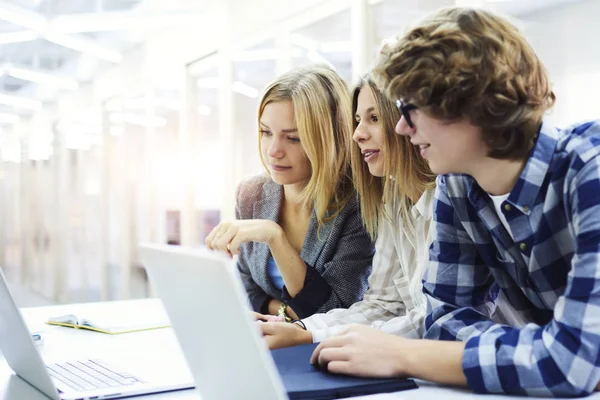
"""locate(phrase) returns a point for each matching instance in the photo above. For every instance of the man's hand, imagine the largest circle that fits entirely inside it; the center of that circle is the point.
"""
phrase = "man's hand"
(362, 351)
(282, 334)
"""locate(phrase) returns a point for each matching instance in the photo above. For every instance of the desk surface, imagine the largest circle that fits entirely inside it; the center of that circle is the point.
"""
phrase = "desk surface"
(137, 349)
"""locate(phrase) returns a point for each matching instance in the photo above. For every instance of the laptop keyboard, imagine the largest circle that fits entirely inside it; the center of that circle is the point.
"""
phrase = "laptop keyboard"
(90, 375)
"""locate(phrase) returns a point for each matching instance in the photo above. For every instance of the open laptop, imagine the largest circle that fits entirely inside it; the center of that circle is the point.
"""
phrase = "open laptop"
(208, 309)
(69, 379)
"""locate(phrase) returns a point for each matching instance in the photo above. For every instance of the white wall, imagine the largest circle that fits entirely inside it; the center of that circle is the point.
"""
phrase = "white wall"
(566, 39)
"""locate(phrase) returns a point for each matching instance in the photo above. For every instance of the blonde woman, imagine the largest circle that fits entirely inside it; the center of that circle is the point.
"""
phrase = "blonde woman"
(396, 193)
(301, 242)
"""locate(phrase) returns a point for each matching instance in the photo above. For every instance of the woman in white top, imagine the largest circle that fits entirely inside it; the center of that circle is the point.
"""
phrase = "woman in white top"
(395, 186)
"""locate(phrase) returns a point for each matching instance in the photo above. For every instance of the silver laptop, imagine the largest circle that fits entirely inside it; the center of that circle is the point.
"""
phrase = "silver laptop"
(70, 379)
(207, 307)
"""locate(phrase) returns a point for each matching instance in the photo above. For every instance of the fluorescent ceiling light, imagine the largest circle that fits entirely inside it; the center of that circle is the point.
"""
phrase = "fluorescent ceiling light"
(18, 37)
(20, 102)
(9, 118)
(43, 78)
(85, 46)
(38, 23)
(118, 20)
(22, 17)
(246, 90)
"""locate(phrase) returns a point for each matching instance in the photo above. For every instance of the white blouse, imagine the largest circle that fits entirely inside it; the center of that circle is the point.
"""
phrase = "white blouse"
(394, 302)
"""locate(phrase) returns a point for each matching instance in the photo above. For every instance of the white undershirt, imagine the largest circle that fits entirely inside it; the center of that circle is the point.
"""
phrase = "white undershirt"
(498, 200)
(505, 313)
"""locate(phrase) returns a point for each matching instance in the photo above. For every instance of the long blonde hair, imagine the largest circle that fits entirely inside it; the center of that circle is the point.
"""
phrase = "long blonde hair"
(406, 173)
(322, 113)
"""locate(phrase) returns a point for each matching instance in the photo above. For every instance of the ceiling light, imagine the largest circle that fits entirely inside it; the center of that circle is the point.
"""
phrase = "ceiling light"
(22, 17)
(85, 46)
(119, 20)
(20, 102)
(43, 78)
(18, 37)
(246, 90)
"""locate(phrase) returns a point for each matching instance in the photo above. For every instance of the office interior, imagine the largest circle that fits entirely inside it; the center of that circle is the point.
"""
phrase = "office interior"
(128, 121)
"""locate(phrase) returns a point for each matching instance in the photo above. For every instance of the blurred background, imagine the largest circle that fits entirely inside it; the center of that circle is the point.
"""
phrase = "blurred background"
(124, 121)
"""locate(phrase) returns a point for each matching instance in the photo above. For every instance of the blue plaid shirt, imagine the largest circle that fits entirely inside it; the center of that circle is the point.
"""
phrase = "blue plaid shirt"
(550, 271)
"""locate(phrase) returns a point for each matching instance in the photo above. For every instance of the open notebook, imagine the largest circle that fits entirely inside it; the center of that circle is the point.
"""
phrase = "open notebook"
(111, 325)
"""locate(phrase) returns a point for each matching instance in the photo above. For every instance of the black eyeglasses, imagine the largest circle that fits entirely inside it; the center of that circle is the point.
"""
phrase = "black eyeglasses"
(405, 109)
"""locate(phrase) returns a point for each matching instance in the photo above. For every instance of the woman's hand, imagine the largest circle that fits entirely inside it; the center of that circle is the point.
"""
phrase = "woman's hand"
(260, 317)
(229, 235)
(282, 334)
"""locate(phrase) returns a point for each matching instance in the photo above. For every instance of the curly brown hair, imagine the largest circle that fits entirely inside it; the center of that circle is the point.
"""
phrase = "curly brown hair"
(466, 63)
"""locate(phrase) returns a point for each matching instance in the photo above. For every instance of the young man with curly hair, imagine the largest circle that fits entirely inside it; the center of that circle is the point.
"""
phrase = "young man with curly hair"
(517, 217)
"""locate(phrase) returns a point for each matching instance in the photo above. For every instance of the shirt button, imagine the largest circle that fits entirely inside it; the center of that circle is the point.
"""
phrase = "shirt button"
(523, 246)
(507, 207)
(525, 209)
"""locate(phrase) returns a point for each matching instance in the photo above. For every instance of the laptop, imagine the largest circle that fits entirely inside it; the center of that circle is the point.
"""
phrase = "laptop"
(209, 311)
(79, 379)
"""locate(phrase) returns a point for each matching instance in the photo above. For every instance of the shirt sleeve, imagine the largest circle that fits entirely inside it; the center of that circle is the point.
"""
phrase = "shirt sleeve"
(458, 286)
(385, 303)
(344, 278)
(561, 357)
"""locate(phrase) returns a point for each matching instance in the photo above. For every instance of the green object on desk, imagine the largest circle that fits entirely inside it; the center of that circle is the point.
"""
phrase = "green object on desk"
(72, 321)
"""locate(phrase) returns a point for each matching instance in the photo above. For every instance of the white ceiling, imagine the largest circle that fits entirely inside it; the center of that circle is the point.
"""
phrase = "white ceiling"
(110, 28)
(51, 46)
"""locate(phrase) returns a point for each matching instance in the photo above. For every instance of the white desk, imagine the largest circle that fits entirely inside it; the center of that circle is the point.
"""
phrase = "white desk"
(140, 349)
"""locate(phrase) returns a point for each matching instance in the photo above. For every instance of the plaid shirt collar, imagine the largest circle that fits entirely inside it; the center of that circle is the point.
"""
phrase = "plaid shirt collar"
(527, 187)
